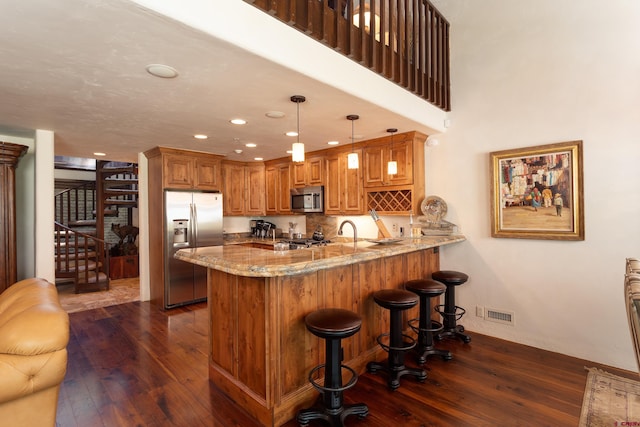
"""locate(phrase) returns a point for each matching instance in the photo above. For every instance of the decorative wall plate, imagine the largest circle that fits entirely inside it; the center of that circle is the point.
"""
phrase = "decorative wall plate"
(434, 208)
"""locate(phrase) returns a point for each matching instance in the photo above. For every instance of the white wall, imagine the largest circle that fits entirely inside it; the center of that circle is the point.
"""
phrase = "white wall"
(532, 73)
(25, 202)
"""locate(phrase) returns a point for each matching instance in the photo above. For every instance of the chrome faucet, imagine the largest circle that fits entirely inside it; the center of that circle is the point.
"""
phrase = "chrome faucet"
(355, 232)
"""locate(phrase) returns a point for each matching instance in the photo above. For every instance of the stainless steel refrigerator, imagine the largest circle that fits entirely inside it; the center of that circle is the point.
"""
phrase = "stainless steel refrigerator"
(192, 219)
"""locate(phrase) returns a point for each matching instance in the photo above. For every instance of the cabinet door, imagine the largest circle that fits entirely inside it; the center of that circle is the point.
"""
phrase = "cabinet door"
(284, 187)
(315, 170)
(352, 189)
(208, 174)
(298, 174)
(177, 171)
(255, 184)
(373, 161)
(402, 153)
(233, 194)
(332, 186)
(271, 190)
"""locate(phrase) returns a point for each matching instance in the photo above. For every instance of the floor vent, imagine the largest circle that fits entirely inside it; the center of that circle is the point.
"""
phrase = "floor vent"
(506, 317)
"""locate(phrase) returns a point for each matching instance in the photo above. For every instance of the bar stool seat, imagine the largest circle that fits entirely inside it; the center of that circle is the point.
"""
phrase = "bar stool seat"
(332, 324)
(396, 301)
(423, 325)
(449, 311)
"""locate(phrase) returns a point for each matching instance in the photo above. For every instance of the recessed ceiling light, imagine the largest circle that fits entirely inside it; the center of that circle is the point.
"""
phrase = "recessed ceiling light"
(99, 154)
(238, 121)
(250, 145)
(333, 142)
(237, 151)
(258, 158)
(292, 133)
(161, 70)
(200, 136)
(274, 114)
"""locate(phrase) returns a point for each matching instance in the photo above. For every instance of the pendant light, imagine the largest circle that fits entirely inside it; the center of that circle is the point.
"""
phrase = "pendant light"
(297, 148)
(392, 165)
(352, 158)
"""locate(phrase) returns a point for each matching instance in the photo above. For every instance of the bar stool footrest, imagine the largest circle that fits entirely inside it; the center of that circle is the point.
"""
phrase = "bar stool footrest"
(435, 326)
(322, 389)
(408, 343)
(459, 311)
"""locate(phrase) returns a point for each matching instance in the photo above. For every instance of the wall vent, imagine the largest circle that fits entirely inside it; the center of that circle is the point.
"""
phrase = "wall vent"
(500, 316)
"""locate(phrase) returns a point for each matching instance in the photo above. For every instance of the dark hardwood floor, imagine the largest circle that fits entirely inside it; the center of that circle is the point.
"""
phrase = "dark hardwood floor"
(135, 365)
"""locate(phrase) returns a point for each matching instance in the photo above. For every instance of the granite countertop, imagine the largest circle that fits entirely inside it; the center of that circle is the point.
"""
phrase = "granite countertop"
(246, 261)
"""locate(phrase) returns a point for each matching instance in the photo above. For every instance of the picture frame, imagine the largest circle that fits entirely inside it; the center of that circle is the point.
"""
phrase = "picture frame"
(519, 179)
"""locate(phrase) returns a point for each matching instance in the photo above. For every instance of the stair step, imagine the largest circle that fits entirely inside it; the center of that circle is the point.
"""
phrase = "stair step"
(82, 223)
(71, 244)
(119, 170)
(115, 182)
(77, 266)
(100, 278)
(72, 255)
(120, 192)
(118, 202)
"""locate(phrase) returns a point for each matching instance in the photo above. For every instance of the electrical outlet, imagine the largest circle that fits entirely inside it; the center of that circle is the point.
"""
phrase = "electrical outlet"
(479, 311)
(394, 228)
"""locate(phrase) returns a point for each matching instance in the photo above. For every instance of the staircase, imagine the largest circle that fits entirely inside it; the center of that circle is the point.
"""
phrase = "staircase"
(85, 211)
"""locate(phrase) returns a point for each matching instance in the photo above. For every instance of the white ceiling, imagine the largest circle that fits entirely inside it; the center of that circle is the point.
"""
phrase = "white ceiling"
(77, 67)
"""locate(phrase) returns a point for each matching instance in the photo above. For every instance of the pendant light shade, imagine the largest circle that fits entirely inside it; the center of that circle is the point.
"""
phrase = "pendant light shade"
(392, 165)
(352, 158)
(297, 152)
(297, 148)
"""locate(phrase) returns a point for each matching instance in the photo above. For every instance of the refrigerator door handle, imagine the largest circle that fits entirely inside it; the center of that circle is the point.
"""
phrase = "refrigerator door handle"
(194, 209)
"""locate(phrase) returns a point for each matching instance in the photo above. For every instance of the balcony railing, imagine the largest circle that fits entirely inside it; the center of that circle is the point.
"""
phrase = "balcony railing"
(407, 41)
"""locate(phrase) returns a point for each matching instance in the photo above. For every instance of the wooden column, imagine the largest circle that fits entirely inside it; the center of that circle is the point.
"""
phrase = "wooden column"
(10, 154)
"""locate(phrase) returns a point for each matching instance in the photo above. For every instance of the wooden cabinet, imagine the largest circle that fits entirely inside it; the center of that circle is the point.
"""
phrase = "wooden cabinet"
(376, 157)
(244, 185)
(255, 182)
(278, 188)
(170, 168)
(122, 267)
(343, 186)
(191, 170)
(403, 192)
(308, 173)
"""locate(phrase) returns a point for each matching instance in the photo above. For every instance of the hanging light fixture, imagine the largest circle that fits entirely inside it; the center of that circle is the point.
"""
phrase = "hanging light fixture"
(352, 158)
(392, 165)
(297, 148)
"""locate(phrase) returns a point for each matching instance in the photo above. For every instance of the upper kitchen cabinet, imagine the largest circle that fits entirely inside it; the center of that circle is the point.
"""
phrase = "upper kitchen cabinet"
(308, 173)
(244, 185)
(343, 193)
(278, 191)
(379, 152)
(400, 193)
(190, 170)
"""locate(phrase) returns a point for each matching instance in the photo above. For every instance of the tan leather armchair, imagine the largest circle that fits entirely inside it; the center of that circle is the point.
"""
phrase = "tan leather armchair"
(34, 332)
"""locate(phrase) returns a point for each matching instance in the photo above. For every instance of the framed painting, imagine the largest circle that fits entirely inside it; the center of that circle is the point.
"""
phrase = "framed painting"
(537, 192)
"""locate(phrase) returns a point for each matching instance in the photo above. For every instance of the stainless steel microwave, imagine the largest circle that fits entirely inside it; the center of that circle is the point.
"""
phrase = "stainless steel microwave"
(307, 199)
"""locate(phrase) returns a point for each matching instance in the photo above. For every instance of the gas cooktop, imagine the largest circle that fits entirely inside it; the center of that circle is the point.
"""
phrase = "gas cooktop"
(305, 243)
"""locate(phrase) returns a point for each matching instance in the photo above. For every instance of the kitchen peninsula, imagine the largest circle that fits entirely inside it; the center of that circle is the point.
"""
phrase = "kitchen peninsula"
(260, 352)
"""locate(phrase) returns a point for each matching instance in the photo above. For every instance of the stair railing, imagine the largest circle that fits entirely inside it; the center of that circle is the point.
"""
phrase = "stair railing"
(405, 41)
(81, 257)
(76, 203)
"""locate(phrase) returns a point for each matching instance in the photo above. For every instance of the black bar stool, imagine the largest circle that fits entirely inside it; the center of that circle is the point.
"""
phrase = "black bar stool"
(332, 324)
(450, 312)
(424, 326)
(396, 301)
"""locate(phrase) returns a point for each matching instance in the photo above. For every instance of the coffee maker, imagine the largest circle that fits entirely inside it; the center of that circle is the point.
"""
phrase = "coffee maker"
(256, 227)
